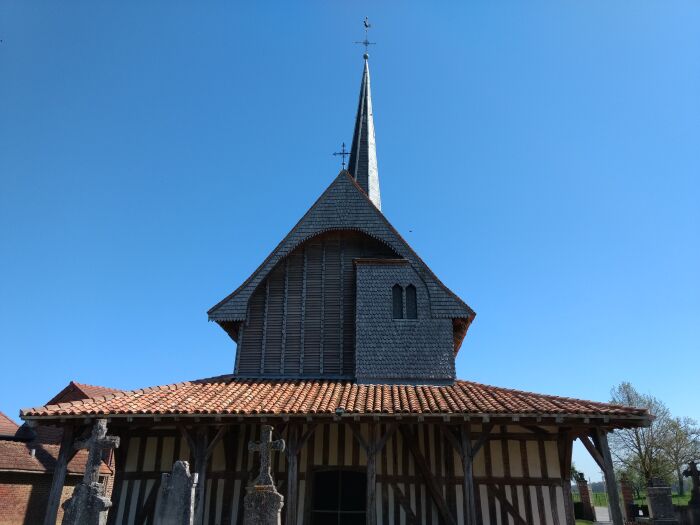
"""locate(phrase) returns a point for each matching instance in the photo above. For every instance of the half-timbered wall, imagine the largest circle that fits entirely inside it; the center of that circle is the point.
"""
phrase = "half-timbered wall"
(517, 472)
(301, 319)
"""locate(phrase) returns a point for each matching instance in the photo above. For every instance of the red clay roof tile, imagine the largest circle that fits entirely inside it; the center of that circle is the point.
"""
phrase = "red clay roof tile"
(16, 456)
(228, 395)
(7, 426)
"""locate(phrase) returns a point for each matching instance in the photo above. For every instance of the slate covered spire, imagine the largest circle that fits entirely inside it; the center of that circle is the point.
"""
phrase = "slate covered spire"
(363, 153)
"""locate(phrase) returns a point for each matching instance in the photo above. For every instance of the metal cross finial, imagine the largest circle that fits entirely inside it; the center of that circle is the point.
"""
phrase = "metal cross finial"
(342, 153)
(265, 446)
(366, 41)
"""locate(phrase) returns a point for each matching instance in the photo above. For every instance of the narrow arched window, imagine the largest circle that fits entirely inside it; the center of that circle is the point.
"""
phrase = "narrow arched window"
(411, 302)
(397, 294)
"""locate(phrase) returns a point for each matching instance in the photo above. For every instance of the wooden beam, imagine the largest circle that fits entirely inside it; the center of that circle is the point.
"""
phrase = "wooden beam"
(564, 447)
(215, 441)
(431, 484)
(357, 432)
(295, 442)
(59, 475)
(590, 447)
(405, 503)
(482, 439)
(292, 474)
(371, 508)
(468, 468)
(200, 463)
(500, 494)
(601, 441)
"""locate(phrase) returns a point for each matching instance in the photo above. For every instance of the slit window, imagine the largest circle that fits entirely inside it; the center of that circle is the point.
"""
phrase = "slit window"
(411, 302)
(397, 294)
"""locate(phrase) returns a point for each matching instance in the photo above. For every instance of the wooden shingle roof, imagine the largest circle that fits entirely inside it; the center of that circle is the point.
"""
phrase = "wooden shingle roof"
(343, 206)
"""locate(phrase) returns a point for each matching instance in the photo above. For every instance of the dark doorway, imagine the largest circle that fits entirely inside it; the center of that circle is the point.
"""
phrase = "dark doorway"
(339, 497)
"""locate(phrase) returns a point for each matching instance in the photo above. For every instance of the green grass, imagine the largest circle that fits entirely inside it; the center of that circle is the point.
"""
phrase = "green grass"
(583, 522)
(677, 500)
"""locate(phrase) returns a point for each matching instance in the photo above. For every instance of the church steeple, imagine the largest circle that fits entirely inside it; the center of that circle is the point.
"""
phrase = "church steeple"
(363, 153)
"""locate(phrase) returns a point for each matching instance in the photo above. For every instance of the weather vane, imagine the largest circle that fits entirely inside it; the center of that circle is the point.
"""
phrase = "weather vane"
(342, 153)
(366, 41)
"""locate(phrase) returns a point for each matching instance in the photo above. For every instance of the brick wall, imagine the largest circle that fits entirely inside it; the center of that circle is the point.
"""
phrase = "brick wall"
(23, 497)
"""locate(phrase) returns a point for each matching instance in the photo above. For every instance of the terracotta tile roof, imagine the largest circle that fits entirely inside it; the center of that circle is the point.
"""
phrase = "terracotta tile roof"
(7, 426)
(228, 395)
(75, 391)
(16, 456)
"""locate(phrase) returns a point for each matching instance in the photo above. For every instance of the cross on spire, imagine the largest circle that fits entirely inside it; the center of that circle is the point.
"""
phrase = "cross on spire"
(366, 41)
(342, 153)
(265, 446)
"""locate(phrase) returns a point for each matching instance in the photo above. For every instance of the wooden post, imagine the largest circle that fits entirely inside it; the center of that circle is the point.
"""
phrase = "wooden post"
(601, 441)
(65, 454)
(295, 443)
(468, 467)
(564, 445)
(372, 448)
(292, 475)
(200, 462)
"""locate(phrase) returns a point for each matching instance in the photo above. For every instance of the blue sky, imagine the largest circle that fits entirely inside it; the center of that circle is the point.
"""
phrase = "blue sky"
(542, 157)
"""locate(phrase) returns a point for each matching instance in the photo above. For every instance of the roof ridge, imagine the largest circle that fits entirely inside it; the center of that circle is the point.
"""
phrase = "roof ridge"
(76, 383)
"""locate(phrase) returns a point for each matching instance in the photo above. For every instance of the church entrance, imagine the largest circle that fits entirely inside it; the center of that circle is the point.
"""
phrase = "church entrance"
(338, 497)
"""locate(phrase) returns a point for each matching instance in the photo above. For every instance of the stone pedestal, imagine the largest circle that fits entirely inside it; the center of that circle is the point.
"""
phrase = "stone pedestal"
(175, 503)
(660, 503)
(262, 506)
(87, 505)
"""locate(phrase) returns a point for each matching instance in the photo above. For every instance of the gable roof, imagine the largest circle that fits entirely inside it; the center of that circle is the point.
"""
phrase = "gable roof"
(74, 391)
(343, 206)
(228, 395)
(8, 428)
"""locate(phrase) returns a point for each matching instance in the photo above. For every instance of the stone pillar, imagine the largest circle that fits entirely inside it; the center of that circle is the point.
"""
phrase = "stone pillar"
(660, 503)
(175, 503)
(627, 497)
(585, 497)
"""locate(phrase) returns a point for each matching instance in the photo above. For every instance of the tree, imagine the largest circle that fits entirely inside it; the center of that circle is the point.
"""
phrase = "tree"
(682, 446)
(641, 451)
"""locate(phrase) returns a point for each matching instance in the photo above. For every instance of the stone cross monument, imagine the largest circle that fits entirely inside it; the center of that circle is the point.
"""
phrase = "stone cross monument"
(693, 473)
(263, 504)
(88, 504)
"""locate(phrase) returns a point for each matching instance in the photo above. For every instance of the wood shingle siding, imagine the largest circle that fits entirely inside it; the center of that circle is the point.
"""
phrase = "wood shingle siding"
(301, 319)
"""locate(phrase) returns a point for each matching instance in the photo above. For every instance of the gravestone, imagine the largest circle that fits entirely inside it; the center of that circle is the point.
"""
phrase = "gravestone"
(175, 502)
(693, 473)
(88, 505)
(263, 504)
(660, 503)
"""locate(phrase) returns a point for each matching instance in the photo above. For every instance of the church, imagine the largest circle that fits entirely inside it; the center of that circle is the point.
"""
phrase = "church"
(345, 345)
